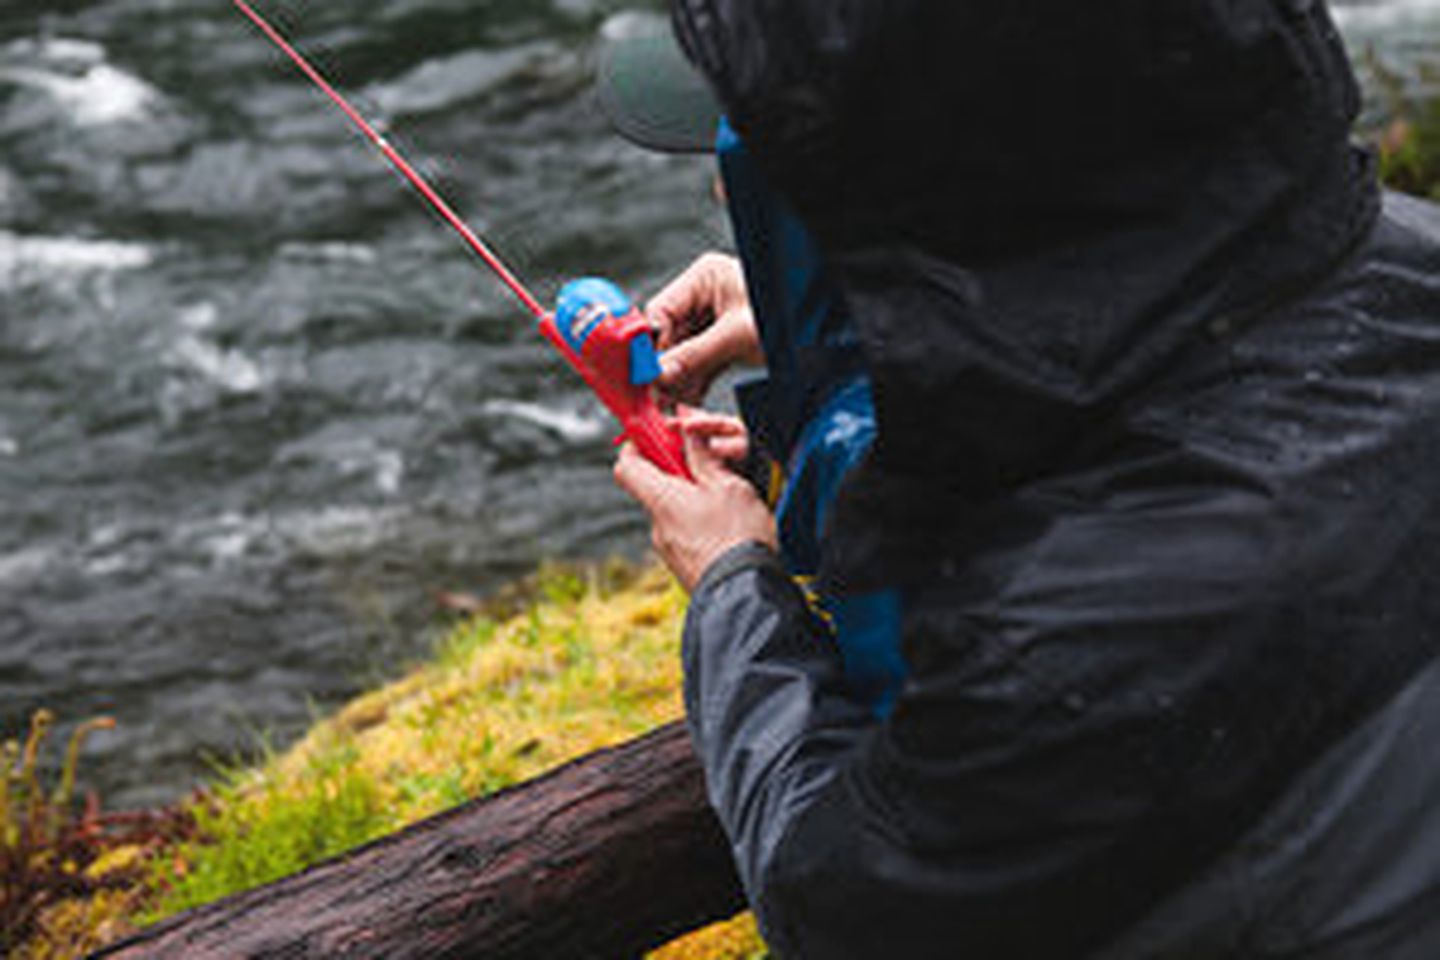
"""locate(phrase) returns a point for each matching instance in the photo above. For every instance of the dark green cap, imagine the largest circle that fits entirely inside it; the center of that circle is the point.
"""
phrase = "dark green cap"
(650, 92)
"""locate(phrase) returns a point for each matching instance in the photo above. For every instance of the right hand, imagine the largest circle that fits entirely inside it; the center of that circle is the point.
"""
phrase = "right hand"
(706, 325)
(694, 523)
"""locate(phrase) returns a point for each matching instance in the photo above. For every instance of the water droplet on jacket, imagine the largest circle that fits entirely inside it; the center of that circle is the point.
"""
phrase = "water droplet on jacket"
(1313, 376)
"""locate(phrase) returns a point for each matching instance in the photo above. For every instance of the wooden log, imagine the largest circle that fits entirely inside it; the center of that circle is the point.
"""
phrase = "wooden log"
(605, 857)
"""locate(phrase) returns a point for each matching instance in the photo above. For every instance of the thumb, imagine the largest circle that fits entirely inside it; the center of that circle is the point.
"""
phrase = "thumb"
(689, 360)
(640, 478)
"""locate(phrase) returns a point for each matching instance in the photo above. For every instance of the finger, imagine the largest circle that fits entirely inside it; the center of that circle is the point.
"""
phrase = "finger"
(684, 304)
(669, 324)
(710, 425)
(640, 478)
(687, 368)
(675, 367)
(726, 436)
(732, 450)
(706, 465)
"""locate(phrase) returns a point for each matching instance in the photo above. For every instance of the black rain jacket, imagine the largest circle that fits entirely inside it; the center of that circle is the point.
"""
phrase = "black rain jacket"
(1157, 476)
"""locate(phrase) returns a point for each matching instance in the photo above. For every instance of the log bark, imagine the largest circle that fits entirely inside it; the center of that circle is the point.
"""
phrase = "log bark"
(605, 857)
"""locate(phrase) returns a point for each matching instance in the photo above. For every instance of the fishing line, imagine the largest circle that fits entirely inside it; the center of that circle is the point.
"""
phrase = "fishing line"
(431, 196)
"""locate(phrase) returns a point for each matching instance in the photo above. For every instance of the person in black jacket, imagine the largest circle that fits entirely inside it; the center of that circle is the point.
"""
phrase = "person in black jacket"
(1154, 371)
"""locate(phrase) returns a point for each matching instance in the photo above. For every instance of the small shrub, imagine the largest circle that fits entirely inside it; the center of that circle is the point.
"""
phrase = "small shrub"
(68, 874)
(1409, 143)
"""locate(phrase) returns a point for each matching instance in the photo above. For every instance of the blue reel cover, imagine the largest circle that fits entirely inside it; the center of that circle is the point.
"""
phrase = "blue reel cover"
(583, 304)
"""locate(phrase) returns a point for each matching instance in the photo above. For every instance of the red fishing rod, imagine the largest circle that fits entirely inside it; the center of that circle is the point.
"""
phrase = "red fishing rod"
(595, 326)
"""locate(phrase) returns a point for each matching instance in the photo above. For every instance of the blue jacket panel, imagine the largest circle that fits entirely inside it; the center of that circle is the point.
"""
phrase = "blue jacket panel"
(814, 413)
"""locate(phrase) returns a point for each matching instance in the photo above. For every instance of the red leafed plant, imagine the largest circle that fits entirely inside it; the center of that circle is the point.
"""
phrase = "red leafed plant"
(51, 848)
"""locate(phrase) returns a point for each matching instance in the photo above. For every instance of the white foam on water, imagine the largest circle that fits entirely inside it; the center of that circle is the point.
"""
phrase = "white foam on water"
(331, 532)
(108, 551)
(75, 75)
(225, 538)
(567, 423)
(389, 471)
(28, 258)
(385, 467)
(230, 370)
(447, 82)
(24, 565)
(97, 96)
(60, 51)
(119, 548)
(337, 531)
(216, 541)
(199, 316)
(333, 252)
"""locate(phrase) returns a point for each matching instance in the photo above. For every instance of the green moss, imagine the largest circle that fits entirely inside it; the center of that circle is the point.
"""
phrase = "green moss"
(590, 660)
(253, 830)
(459, 645)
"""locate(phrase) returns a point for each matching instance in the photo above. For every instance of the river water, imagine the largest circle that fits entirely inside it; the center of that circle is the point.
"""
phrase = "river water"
(256, 406)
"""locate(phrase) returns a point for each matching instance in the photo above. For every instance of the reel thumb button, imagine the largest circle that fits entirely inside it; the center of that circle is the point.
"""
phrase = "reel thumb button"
(644, 361)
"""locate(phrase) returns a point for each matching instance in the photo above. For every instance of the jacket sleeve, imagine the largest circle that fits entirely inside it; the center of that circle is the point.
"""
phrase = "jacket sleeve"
(765, 700)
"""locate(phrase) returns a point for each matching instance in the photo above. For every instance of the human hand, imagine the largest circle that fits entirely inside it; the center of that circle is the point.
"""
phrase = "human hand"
(706, 325)
(693, 524)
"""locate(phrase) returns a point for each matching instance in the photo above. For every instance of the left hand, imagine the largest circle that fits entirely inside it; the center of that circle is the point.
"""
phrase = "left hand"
(705, 326)
(693, 524)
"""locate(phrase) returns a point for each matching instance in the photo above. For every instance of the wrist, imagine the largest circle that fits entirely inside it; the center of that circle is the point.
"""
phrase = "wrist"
(749, 555)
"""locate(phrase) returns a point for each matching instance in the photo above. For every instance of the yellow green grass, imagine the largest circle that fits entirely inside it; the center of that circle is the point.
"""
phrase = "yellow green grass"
(592, 660)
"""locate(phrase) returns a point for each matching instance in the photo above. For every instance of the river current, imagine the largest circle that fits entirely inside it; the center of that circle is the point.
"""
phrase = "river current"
(257, 407)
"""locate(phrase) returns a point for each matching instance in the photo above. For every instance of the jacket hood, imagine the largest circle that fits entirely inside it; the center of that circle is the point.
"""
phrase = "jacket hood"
(1030, 207)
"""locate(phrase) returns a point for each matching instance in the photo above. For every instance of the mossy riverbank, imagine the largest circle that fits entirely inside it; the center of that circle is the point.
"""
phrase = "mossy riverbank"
(588, 660)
